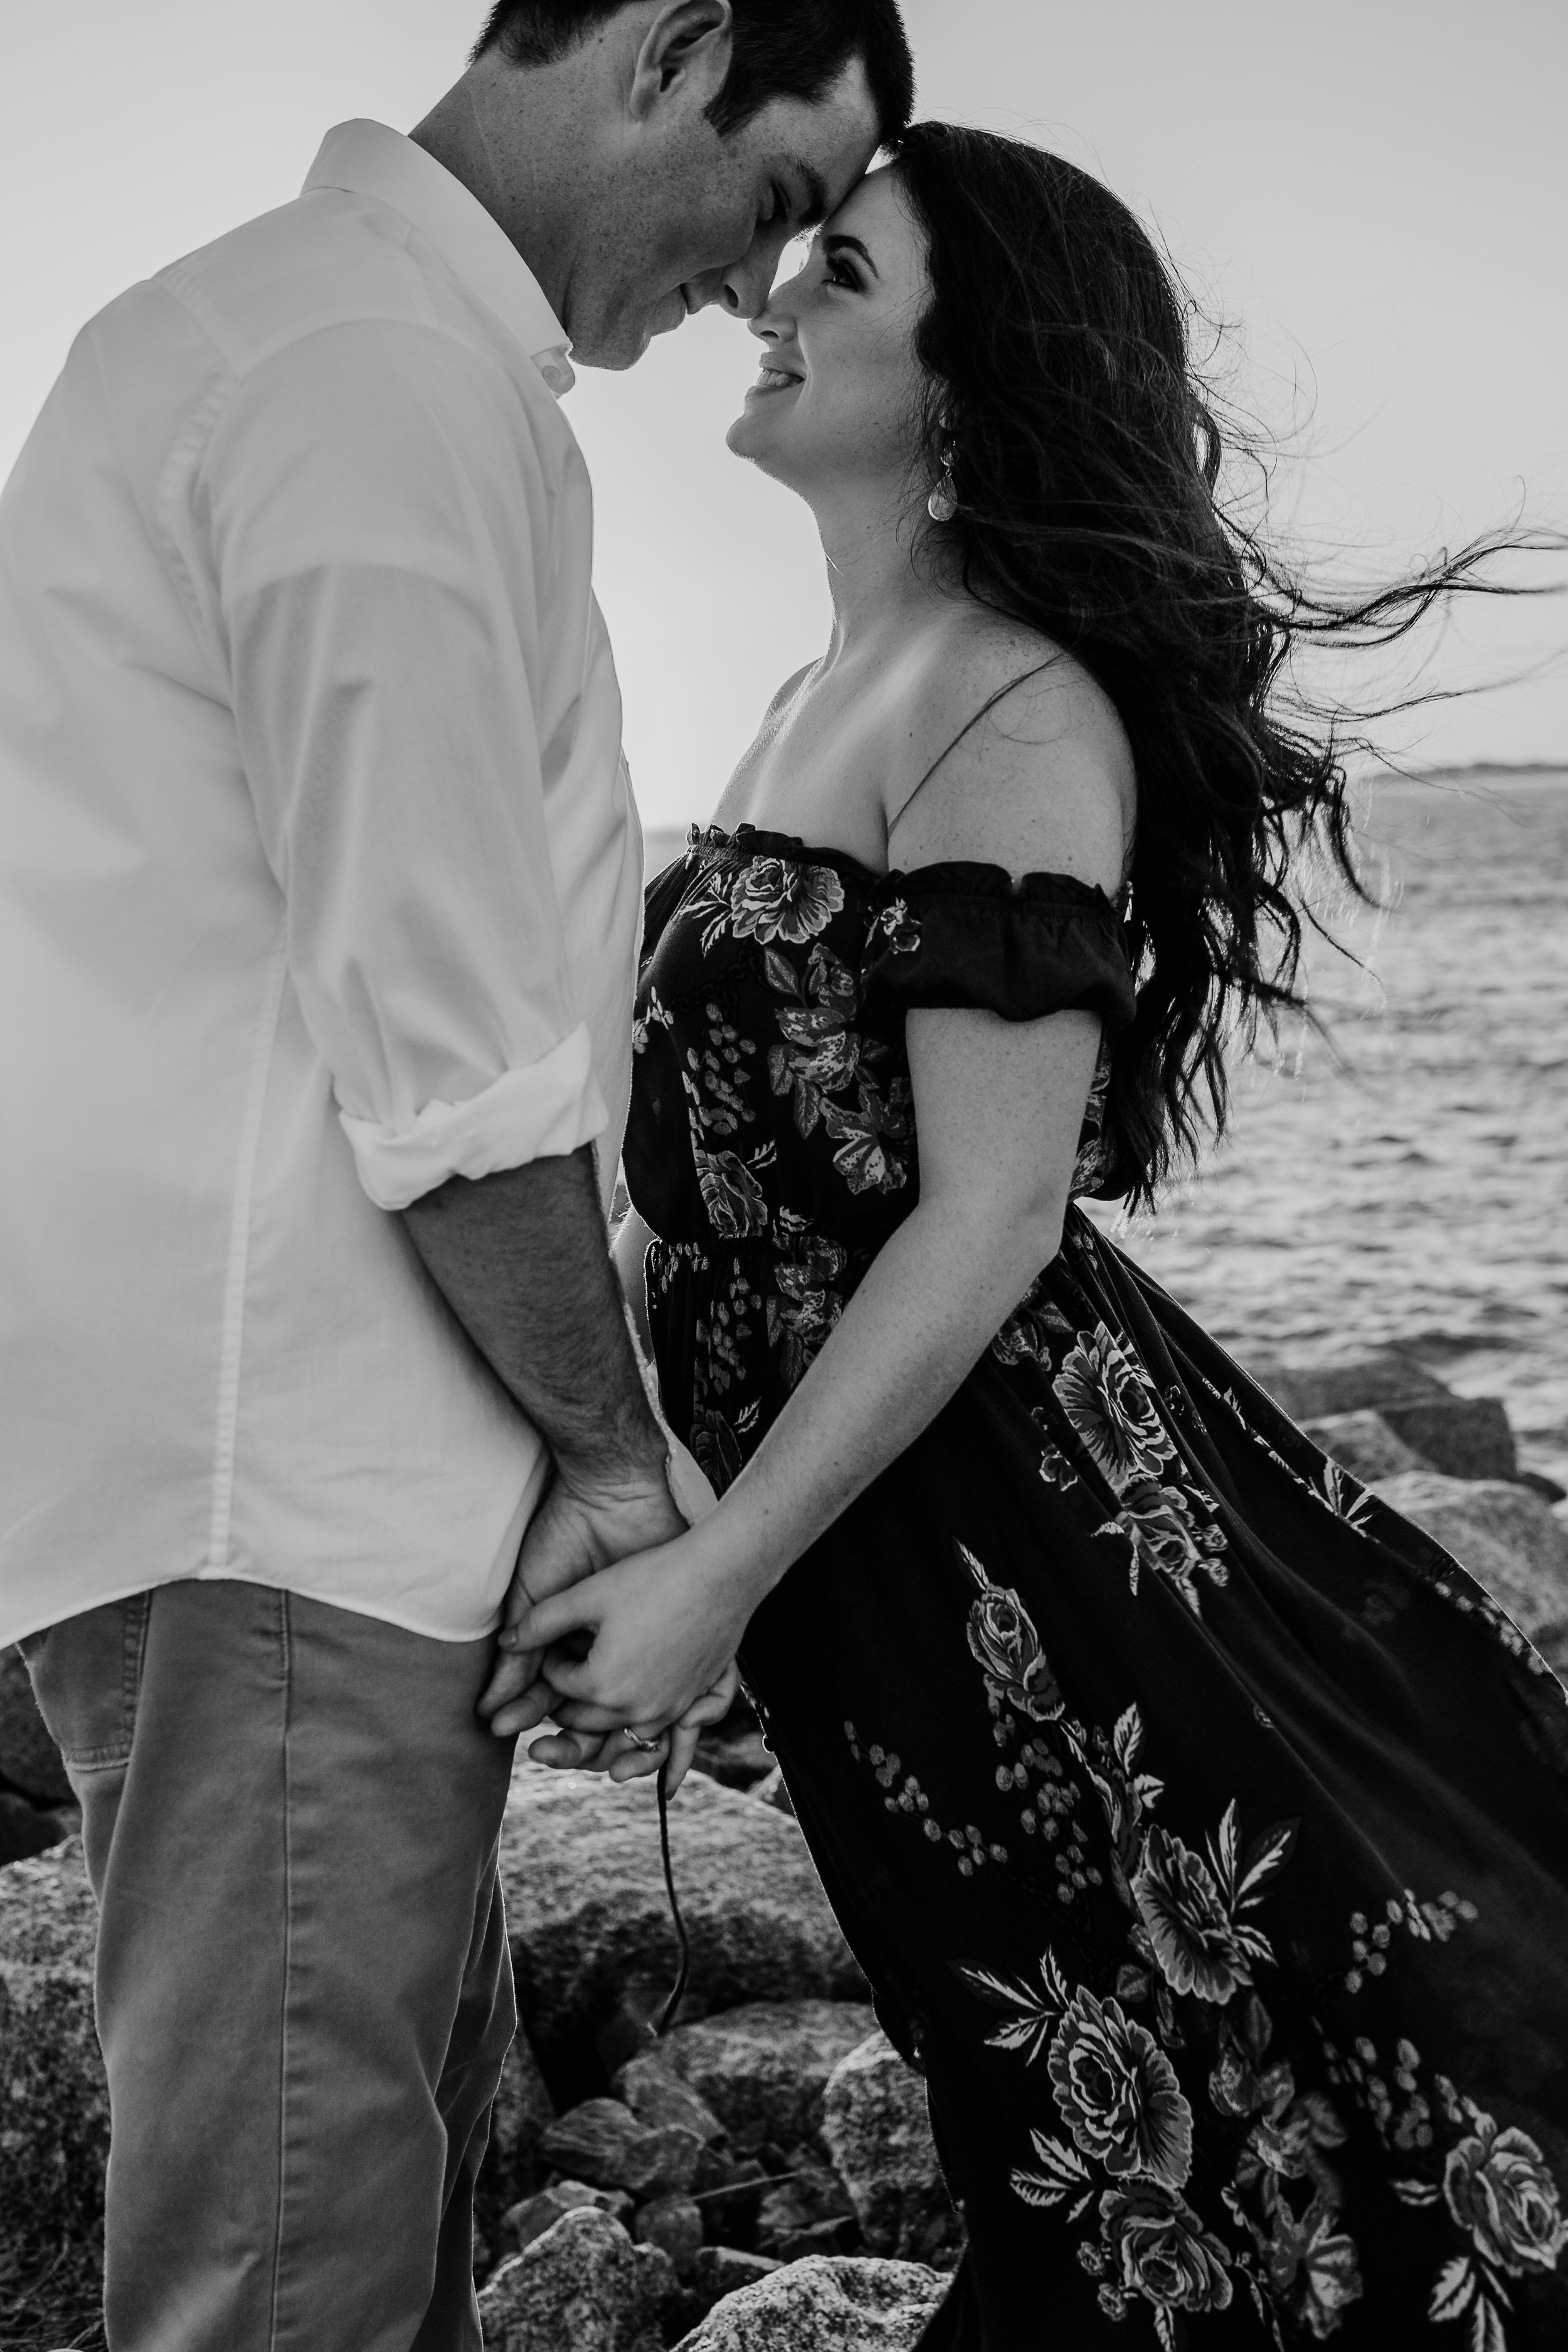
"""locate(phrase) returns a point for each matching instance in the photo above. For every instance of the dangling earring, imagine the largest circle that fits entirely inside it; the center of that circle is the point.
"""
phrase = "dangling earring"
(943, 503)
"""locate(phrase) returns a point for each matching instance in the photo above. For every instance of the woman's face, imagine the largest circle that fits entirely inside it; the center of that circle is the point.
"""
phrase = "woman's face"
(838, 399)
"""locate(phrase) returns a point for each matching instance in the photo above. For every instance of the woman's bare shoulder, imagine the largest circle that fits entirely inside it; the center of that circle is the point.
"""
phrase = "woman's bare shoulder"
(1044, 779)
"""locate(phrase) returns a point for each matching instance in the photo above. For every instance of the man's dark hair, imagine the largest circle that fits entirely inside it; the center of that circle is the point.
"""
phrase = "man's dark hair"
(783, 49)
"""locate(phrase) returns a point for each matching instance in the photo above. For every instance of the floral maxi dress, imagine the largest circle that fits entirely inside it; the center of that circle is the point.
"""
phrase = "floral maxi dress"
(1201, 1827)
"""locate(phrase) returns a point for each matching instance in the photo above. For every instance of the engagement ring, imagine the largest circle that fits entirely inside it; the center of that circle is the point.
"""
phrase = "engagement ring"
(647, 1746)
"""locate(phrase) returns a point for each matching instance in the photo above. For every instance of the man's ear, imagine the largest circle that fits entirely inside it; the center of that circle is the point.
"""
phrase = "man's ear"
(688, 46)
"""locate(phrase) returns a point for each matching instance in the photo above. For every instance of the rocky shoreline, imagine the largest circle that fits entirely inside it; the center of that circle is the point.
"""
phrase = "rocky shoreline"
(764, 2176)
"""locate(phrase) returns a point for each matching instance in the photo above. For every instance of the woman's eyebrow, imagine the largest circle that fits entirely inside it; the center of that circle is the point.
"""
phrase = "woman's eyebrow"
(830, 245)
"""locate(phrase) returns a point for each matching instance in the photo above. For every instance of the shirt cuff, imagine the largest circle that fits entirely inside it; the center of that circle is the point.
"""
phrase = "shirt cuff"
(544, 1112)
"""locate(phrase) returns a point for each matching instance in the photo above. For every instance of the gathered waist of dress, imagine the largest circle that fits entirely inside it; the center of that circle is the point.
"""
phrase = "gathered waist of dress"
(798, 1243)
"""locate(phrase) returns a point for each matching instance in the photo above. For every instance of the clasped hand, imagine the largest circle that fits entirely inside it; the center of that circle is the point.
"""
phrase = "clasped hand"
(648, 1644)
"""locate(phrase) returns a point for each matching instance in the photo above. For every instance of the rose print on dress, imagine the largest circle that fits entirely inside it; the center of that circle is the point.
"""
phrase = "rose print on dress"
(1155, 2248)
(1003, 1640)
(1500, 2194)
(734, 1201)
(784, 899)
(1110, 1406)
(1119, 2094)
(1498, 2187)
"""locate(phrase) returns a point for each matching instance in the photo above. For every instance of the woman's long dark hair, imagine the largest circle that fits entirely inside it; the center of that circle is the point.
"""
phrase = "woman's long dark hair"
(1086, 460)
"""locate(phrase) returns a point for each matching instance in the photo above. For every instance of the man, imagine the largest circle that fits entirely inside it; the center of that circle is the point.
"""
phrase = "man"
(318, 921)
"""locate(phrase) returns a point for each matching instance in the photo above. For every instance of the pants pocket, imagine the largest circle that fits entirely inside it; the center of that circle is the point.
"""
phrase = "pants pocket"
(86, 1678)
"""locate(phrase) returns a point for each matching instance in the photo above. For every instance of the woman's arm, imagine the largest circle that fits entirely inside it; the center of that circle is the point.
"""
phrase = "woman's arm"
(999, 1109)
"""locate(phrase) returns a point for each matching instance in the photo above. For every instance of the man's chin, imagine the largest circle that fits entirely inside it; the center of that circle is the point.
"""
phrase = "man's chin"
(621, 342)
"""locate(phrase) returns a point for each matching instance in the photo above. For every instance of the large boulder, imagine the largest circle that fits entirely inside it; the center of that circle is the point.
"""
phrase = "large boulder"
(844, 2304)
(602, 2141)
(54, 2098)
(877, 2128)
(588, 1914)
(657, 2097)
(1464, 1437)
(1363, 1443)
(764, 2068)
(582, 2287)
(1511, 1541)
(29, 1759)
(1355, 1384)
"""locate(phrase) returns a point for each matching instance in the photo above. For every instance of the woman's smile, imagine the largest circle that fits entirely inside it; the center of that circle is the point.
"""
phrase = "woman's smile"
(773, 378)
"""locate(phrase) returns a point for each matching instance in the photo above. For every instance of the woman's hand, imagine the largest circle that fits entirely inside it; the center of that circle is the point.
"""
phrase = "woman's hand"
(663, 1628)
(577, 1748)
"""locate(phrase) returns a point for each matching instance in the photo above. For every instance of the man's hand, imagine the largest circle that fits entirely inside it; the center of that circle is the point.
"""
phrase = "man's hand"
(576, 1531)
(580, 1744)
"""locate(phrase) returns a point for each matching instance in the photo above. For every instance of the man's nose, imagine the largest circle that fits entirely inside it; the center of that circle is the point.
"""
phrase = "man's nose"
(742, 289)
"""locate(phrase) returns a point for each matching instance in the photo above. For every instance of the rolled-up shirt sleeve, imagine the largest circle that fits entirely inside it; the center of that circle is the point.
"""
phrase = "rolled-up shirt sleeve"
(380, 530)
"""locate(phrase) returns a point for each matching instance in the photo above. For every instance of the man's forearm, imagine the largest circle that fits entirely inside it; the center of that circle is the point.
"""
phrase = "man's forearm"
(523, 1259)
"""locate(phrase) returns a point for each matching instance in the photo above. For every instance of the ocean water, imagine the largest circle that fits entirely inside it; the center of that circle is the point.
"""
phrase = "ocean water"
(1405, 1180)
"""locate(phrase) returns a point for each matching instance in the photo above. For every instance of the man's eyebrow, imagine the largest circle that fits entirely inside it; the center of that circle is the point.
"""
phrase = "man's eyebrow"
(816, 206)
(830, 245)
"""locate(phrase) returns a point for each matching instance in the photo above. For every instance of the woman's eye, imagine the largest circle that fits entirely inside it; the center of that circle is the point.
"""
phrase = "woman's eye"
(840, 274)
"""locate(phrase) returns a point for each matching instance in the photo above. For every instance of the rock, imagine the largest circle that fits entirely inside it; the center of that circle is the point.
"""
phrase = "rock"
(763, 2068)
(840, 2234)
(783, 2213)
(27, 1829)
(632, 2029)
(602, 2141)
(772, 1791)
(738, 1759)
(1359, 1383)
(522, 2113)
(877, 2126)
(1511, 1541)
(531, 2216)
(54, 2099)
(725, 2269)
(847, 2304)
(1464, 1437)
(585, 1898)
(29, 1759)
(730, 2190)
(582, 2287)
(823, 2191)
(1363, 1443)
(673, 2224)
(656, 2096)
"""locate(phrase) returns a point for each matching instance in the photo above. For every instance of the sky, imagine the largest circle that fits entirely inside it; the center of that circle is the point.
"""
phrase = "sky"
(1371, 194)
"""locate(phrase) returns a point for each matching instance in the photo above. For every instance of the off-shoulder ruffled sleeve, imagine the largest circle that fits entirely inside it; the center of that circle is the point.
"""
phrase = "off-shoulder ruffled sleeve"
(960, 935)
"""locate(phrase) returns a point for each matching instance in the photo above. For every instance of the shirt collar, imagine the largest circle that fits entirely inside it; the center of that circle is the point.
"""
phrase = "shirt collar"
(368, 159)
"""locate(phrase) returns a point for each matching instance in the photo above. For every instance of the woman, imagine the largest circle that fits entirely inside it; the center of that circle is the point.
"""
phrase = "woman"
(1201, 1829)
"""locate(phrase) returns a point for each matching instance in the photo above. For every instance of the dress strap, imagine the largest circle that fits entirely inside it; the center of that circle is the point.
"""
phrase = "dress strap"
(968, 729)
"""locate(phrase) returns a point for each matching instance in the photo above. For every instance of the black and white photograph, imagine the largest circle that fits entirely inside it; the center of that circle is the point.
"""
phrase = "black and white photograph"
(783, 1177)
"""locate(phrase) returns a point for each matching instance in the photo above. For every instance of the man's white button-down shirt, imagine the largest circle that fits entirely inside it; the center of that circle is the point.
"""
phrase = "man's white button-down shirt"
(319, 883)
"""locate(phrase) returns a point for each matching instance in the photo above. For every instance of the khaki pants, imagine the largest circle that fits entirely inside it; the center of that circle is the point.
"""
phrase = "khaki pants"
(304, 1996)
